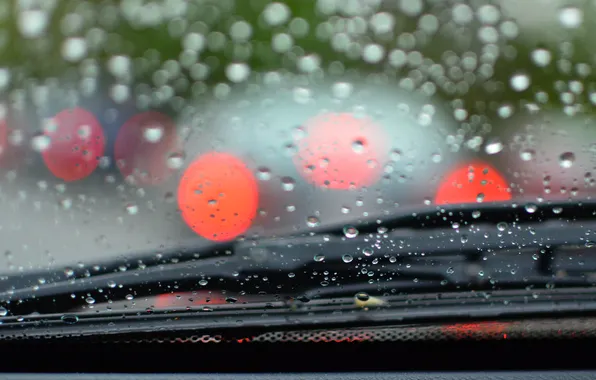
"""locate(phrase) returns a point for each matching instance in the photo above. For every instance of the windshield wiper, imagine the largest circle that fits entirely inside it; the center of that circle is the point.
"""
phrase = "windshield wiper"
(478, 247)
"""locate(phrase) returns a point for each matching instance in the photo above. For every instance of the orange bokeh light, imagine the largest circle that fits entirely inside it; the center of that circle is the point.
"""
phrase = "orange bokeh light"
(77, 143)
(341, 151)
(472, 183)
(218, 196)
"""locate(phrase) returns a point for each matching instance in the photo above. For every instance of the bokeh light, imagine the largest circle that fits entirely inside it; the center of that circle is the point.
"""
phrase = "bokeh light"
(473, 182)
(341, 151)
(72, 144)
(145, 147)
(218, 196)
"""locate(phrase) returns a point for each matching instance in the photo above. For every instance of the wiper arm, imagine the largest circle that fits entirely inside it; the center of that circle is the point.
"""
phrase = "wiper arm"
(426, 255)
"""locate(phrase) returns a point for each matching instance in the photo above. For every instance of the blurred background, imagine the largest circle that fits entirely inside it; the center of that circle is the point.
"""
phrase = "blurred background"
(138, 125)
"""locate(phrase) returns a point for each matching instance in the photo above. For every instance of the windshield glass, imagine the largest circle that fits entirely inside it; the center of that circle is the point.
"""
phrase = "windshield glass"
(140, 128)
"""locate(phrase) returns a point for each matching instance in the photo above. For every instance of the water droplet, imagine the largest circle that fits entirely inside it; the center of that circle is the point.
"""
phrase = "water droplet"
(153, 133)
(566, 160)
(363, 297)
(557, 210)
(276, 14)
(368, 251)
(41, 143)
(288, 183)
(32, 22)
(175, 160)
(520, 82)
(342, 90)
(237, 72)
(347, 258)
(358, 146)
(531, 208)
(313, 221)
(571, 17)
(90, 300)
(502, 226)
(350, 231)
(318, 258)
(527, 154)
(493, 146)
(476, 214)
(129, 297)
(70, 319)
(263, 174)
(541, 57)
(203, 282)
(131, 209)
(74, 49)
(3, 311)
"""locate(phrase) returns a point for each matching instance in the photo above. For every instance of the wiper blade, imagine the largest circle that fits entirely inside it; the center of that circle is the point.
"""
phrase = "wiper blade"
(468, 252)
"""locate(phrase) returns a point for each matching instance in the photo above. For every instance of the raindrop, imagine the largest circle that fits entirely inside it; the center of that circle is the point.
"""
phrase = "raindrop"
(367, 251)
(493, 146)
(342, 90)
(74, 49)
(557, 210)
(350, 231)
(313, 221)
(264, 174)
(531, 208)
(358, 146)
(288, 183)
(520, 82)
(566, 160)
(541, 57)
(318, 258)
(175, 160)
(3, 311)
(41, 143)
(69, 319)
(571, 17)
(363, 297)
(237, 72)
(347, 258)
(276, 14)
(153, 133)
(502, 226)
(32, 22)
(527, 154)
(90, 300)
(373, 53)
(131, 209)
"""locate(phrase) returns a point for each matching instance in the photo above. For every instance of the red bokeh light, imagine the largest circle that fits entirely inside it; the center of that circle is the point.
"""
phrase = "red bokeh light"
(76, 143)
(341, 151)
(472, 183)
(218, 196)
(143, 146)
(480, 329)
